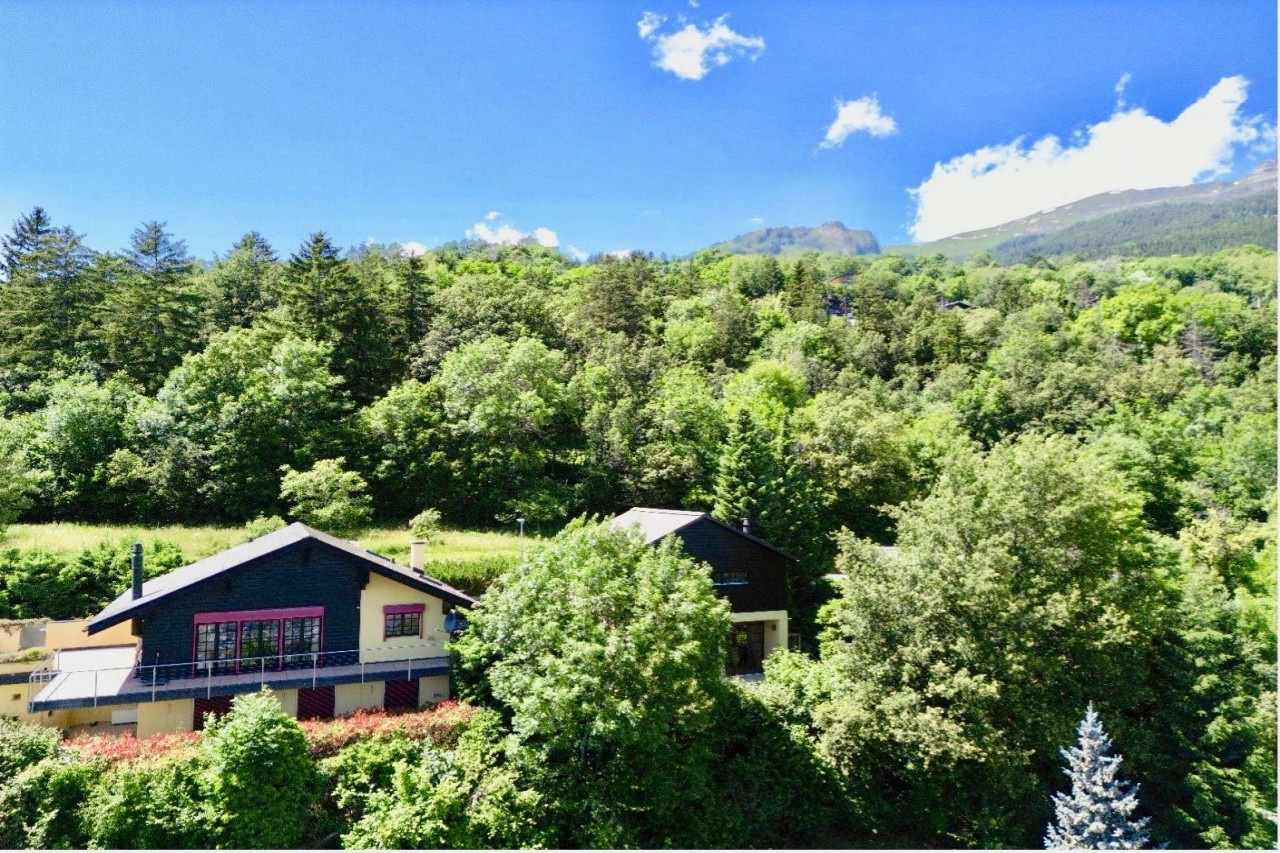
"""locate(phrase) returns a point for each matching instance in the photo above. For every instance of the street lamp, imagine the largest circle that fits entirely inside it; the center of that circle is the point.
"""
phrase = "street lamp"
(520, 521)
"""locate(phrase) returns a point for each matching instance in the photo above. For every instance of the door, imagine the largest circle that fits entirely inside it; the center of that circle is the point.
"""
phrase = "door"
(217, 705)
(400, 695)
(315, 703)
(746, 640)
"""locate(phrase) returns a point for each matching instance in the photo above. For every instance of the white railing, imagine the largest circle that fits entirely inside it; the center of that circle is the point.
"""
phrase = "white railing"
(267, 668)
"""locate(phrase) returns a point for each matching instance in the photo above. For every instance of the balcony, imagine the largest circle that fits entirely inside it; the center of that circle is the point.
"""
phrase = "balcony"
(89, 678)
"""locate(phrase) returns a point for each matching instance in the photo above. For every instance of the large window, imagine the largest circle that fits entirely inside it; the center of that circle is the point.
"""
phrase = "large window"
(216, 647)
(257, 640)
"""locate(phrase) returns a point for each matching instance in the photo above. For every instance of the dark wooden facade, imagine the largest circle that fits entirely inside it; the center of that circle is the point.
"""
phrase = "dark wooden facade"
(750, 574)
(305, 574)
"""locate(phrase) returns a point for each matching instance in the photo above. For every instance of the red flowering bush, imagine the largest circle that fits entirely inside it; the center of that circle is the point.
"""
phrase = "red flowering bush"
(441, 725)
(116, 748)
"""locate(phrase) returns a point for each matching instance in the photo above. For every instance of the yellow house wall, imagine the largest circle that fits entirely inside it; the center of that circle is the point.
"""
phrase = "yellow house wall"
(433, 689)
(775, 626)
(71, 634)
(288, 701)
(65, 718)
(174, 715)
(349, 698)
(13, 703)
(384, 591)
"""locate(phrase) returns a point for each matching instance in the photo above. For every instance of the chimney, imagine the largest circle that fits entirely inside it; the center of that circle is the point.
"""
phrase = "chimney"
(746, 526)
(417, 554)
(136, 563)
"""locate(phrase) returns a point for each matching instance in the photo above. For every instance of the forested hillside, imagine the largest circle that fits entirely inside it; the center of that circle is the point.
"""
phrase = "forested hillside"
(1077, 463)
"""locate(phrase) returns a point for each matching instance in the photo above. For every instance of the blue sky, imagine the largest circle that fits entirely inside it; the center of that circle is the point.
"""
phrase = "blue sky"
(604, 126)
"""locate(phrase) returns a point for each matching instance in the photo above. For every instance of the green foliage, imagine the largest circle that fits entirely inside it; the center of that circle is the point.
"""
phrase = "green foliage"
(426, 525)
(151, 804)
(258, 778)
(40, 583)
(614, 706)
(327, 497)
(364, 768)
(23, 744)
(262, 525)
(40, 806)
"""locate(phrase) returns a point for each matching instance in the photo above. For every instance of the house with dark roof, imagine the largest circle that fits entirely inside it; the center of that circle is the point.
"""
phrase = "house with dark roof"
(747, 571)
(329, 626)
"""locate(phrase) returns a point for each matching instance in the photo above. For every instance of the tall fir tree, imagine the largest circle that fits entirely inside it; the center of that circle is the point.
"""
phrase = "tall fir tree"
(1098, 812)
(804, 292)
(150, 316)
(745, 473)
(28, 233)
(240, 287)
(324, 300)
(48, 301)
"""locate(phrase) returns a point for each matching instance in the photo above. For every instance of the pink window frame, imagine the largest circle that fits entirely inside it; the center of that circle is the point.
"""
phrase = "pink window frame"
(396, 610)
(276, 614)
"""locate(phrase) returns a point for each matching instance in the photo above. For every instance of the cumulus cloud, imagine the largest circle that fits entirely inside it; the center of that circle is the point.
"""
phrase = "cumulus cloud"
(1129, 150)
(490, 230)
(692, 51)
(862, 115)
(756, 220)
(412, 249)
(576, 253)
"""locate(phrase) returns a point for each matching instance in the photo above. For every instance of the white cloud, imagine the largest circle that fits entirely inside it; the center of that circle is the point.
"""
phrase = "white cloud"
(1119, 89)
(620, 254)
(861, 115)
(576, 253)
(1129, 150)
(506, 234)
(756, 220)
(412, 248)
(692, 51)
(649, 23)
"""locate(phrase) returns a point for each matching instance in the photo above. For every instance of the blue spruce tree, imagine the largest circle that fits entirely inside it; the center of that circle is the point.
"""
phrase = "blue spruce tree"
(1097, 813)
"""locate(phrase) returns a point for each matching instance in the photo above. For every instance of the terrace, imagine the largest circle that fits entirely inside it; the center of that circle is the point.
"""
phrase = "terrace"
(88, 678)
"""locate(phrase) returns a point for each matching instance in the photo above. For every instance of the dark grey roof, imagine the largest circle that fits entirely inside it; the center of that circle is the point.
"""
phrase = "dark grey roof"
(654, 524)
(157, 589)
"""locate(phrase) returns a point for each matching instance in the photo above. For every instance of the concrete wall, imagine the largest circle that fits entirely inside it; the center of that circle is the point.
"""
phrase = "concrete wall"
(383, 591)
(349, 698)
(433, 689)
(775, 626)
(70, 634)
(175, 715)
(13, 703)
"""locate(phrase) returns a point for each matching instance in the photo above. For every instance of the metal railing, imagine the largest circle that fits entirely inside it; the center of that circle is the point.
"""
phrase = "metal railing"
(267, 669)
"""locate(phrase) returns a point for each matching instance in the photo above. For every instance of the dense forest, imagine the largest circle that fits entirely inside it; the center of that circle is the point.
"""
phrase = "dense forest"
(1075, 461)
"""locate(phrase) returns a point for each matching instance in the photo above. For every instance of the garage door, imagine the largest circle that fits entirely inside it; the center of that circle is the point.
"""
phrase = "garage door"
(401, 695)
(315, 703)
(218, 705)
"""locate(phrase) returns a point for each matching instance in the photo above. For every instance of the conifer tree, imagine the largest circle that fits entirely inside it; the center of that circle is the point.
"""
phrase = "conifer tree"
(1097, 814)
(45, 307)
(28, 233)
(151, 314)
(745, 473)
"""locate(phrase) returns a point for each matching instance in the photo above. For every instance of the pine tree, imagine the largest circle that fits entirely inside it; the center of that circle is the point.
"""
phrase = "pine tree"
(151, 314)
(28, 233)
(745, 473)
(1097, 814)
(48, 301)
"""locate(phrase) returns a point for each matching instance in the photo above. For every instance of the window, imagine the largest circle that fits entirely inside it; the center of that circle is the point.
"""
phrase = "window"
(402, 625)
(729, 579)
(259, 645)
(216, 647)
(301, 641)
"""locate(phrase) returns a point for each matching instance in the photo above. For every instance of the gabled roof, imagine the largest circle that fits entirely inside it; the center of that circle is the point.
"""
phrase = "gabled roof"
(656, 524)
(157, 589)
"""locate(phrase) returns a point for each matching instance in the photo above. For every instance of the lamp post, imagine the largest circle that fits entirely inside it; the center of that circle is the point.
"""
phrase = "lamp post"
(520, 521)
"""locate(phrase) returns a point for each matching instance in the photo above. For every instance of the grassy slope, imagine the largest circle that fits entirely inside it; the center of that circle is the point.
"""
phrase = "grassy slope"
(468, 559)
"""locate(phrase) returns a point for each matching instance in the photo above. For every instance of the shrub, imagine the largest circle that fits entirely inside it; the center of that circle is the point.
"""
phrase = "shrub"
(426, 525)
(259, 779)
(363, 767)
(328, 496)
(473, 576)
(441, 725)
(152, 804)
(113, 749)
(23, 744)
(262, 525)
(40, 807)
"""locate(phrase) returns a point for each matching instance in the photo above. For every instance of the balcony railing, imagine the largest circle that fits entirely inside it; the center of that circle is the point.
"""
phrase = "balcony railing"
(76, 685)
